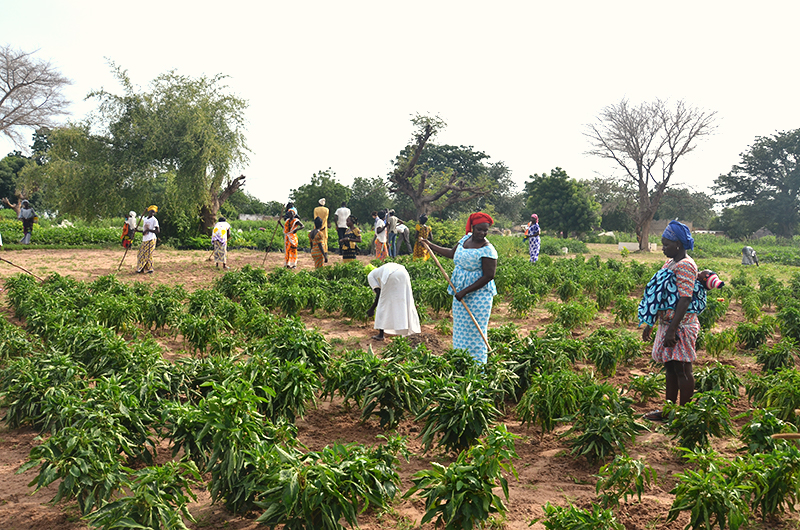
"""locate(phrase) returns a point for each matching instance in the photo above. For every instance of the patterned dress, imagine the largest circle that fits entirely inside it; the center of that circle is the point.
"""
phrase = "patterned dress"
(684, 351)
(469, 267)
(350, 248)
(316, 254)
(219, 240)
(144, 260)
(290, 242)
(420, 252)
(381, 248)
(532, 233)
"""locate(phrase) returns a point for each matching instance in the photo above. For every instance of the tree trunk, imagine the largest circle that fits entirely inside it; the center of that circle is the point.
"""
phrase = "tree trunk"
(209, 212)
(643, 233)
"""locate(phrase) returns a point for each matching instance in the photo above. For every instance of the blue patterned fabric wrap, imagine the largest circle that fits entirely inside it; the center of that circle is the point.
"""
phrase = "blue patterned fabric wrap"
(469, 268)
(661, 293)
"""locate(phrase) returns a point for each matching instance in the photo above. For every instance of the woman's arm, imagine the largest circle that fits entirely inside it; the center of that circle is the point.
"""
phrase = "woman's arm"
(371, 310)
(489, 267)
(442, 251)
(297, 226)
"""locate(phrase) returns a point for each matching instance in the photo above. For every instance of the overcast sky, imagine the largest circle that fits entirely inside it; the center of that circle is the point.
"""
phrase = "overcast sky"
(334, 83)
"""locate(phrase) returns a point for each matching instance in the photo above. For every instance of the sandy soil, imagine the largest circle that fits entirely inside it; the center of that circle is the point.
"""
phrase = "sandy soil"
(547, 473)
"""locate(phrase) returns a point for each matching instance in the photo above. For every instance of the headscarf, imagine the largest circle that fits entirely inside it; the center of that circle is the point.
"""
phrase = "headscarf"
(676, 231)
(535, 218)
(478, 218)
(322, 201)
(132, 214)
(153, 207)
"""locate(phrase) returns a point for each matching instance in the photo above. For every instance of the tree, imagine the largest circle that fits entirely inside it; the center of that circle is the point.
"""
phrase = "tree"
(646, 142)
(10, 169)
(176, 143)
(435, 185)
(562, 204)
(767, 179)
(618, 203)
(686, 205)
(30, 93)
(368, 195)
(323, 185)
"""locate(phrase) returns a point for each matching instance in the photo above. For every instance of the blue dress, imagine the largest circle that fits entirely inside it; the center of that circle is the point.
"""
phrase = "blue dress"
(469, 268)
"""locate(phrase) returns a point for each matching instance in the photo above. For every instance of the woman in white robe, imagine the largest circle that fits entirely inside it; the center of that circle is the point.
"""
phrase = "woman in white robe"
(394, 309)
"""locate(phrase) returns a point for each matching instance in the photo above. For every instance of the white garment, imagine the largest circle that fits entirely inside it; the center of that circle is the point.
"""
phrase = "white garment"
(150, 223)
(401, 228)
(396, 313)
(220, 231)
(382, 236)
(341, 216)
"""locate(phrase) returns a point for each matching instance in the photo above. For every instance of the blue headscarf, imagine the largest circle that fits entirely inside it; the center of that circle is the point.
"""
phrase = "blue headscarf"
(676, 231)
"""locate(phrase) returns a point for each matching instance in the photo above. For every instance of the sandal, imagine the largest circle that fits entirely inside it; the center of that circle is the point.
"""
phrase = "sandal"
(654, 416)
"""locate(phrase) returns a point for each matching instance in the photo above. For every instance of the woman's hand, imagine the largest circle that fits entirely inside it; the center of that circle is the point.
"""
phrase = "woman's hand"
(646, 333)
(459, 295)
(670, 340)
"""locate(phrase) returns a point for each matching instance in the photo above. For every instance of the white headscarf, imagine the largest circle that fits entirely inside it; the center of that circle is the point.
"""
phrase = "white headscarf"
(322, 201)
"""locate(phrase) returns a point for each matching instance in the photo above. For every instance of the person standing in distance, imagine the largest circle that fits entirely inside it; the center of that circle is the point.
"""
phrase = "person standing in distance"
(150, 231)
(341, 214)
(322, 212)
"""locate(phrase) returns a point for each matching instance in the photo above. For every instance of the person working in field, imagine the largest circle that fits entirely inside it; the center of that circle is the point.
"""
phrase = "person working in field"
(532, 235)
(322, 212)
(318, 253)
(381, 248)
(128, 230)
(150, 230)
(473, 279)
(667, 299)
(290, 228)
(393, 308)
(350, 240)
(423, 232)
(219, 240)
(341, 214)
(28, 216)
(403, 239)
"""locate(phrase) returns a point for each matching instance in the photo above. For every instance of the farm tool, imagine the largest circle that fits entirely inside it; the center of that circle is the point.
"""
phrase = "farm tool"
(271, 239)
(22, 269)
(446, 277)
(126, 250)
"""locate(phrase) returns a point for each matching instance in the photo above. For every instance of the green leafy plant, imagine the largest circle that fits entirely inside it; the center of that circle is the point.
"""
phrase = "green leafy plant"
(707, 415)
(622, 477)
(751, 336)
(781, 355)
(461, 496)
(158, 498)
(713, 313)
(779, 391)
(460, 413)
(751, 307)
(624, 310)
(646, 387)
(719, 343)
(757, 433)
(717, 377)
(789, 321)
(390, 390)
(774, 479)
(549, 397)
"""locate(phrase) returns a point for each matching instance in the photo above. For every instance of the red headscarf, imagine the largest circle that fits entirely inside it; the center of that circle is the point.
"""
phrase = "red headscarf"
(478, 218)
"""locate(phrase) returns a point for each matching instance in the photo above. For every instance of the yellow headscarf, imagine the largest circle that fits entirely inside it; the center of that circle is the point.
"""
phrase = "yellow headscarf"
(153, 207)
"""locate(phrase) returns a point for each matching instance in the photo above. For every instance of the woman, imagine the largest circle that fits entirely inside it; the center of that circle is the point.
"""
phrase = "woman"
(394, 308)
(350, 240)
(423, 232)
(322, 212)
(150, 231)
(290, 228)
(28, 216)
(219, 240)
(473, 278)
(381, 248)
(670, 293)
(532, 235)
(318, 253)
(128, 230)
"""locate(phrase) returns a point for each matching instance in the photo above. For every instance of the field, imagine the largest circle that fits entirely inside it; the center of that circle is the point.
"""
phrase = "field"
(547, 472)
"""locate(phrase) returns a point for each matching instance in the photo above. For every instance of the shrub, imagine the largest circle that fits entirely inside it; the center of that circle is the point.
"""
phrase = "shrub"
(646, 387)
(572, 518)
(717, 377)
(694, 423)
(549, 397)
(781, 355)
(621, 477)
(757, 433)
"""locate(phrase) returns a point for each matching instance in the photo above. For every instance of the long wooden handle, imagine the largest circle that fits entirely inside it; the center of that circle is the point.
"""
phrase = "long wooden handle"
(446, 277)
(126, 250)
(20, 268)
(270, 244)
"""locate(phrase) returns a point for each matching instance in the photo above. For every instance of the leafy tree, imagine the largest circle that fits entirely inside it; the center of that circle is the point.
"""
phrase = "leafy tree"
(10, 168)
(30, 93)
(432, 184)
(646, 142)
(737, 223)
(367, 195)
(563, 204)
(242, 202)
(684, 204)
(323, 185)
(618, 203)
(768, 180)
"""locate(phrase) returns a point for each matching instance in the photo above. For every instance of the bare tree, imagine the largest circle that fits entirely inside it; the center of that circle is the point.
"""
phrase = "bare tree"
(423, 188)
(30, 93)
(647, 141)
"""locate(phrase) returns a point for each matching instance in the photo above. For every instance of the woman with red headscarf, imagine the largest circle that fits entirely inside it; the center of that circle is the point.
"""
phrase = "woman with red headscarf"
(473, 278)
(532, 235)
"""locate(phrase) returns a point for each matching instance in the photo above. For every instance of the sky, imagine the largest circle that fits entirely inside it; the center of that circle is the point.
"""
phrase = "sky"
(334, 84)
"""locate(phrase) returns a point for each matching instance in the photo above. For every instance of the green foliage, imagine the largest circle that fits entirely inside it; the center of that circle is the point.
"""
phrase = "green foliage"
(549, 397)
(757, 433)
(714, 498)
(646, 387)
(461, 496)
(159, 498)
(392, 388)
(781, 355)
(572, 518)
(751, 336)
(319, 489)
(713, 313)
(774, 478)
(566, 203)
(717, 377)
(461, 412)
(522, 301)
(718, 343)
(621, 477)
(572, 314)
(789, 322)
(707, 415)
(779, 391)
(606, 348)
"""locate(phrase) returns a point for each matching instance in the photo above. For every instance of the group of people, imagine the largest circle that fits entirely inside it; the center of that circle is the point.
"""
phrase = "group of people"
(149, 229)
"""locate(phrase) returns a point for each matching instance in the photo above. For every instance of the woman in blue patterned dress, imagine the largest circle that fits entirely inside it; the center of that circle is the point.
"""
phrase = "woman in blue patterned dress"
(532, 235)
(473, 278)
